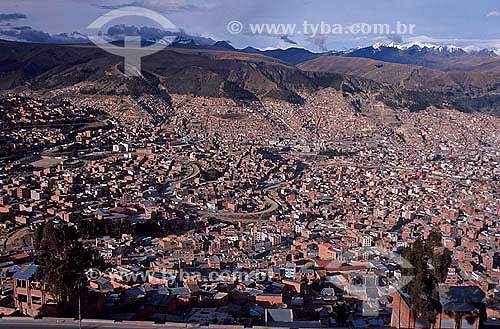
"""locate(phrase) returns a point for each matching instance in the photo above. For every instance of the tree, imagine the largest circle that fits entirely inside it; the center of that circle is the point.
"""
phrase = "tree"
(434, 239)
(154, 217)
(341, 314)
(424, 297)
(62, 259)
(441, 263)
(422, 290)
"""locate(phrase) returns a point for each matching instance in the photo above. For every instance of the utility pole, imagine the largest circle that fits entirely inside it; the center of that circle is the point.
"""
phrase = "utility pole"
(79, 304)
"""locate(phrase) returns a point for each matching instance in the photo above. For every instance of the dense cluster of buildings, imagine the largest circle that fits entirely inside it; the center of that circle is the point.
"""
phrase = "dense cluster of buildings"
(260, 218)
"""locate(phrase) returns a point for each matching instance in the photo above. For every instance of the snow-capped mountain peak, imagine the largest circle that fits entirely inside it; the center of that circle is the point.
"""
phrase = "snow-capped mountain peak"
(428, 48)
(418, 45)
(168, 40)
(379, 45)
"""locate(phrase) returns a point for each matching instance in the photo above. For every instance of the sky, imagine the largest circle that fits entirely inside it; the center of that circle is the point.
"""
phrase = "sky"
(462, 23)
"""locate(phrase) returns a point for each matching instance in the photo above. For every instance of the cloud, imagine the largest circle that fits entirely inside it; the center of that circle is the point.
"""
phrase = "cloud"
(319, 41)
(28, 34)
(280, 44)
(396, 38)
(114, 33)
(165, 6)
(288, 40)
(495, 13)
(12, 17)
(20, 28)
(118, 32)
(472, 49)
(448, 41)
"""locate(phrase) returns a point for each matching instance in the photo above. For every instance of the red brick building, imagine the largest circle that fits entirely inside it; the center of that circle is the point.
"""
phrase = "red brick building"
(462, 304)
(32, 298)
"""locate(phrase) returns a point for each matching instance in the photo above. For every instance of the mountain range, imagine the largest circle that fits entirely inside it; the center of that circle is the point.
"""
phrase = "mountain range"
(431, 56)
(446, 58)
(220, 70)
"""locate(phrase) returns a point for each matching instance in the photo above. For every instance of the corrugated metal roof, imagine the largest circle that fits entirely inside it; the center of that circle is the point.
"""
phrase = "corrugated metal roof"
(25, 272)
